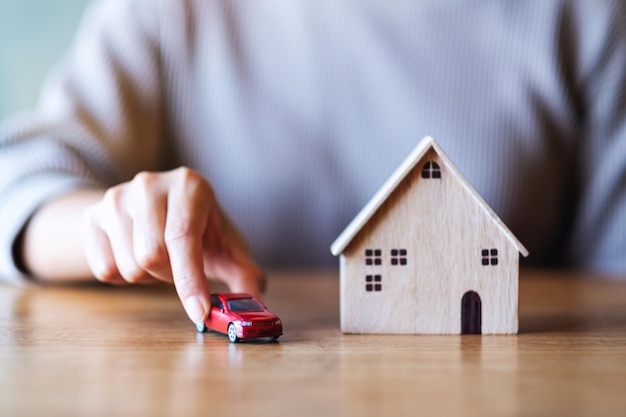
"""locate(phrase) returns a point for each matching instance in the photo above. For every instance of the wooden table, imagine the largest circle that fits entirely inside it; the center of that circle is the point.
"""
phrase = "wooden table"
(105, 351)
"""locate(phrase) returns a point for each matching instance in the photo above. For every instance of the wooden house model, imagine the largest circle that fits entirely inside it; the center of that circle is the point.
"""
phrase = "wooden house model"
(428, 255)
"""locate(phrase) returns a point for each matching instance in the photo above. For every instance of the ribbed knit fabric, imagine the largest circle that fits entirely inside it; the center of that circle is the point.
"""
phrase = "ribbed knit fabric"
(297, 111)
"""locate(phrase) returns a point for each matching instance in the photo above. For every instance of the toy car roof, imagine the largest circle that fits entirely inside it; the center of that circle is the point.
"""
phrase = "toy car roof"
(234, 296)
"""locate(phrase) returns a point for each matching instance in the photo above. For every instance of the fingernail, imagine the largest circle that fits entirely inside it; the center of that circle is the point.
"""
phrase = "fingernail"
(195, 309)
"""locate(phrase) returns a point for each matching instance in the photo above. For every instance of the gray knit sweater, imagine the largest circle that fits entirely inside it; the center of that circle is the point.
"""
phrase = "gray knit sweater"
(297, 111)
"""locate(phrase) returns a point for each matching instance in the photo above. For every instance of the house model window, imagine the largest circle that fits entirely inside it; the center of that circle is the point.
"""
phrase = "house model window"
(373, 283)
(489, 257)
(398, 256)
(373, 257)
(431, 169)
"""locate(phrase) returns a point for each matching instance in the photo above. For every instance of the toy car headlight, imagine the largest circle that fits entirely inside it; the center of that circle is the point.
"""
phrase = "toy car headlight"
(278, 322)
(246, 323)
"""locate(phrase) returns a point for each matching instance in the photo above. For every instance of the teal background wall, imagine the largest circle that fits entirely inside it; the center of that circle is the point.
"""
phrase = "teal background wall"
(34, 34)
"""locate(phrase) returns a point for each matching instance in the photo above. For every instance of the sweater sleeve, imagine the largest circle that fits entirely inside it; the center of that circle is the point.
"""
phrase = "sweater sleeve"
(98, 121)
(598, 237)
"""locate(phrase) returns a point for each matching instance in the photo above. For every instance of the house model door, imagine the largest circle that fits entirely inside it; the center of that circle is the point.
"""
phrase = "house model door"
(471, 320)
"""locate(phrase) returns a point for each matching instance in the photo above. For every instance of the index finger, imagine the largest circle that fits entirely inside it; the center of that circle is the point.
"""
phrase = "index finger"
(186, 221)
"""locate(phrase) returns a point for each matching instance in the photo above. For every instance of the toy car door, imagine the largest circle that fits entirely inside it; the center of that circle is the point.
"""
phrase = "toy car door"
(218, 319)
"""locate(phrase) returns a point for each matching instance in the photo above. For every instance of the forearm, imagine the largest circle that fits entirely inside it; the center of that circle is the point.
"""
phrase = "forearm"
(52, 244)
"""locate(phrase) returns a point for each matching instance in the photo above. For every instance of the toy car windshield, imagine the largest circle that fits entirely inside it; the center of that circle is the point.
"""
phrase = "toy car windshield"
(244, 304)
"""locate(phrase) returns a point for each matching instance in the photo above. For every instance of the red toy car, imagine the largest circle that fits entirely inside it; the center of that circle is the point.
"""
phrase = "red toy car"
(241, 316)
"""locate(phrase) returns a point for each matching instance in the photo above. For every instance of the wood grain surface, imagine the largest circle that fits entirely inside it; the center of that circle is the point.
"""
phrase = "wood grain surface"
(112, 351)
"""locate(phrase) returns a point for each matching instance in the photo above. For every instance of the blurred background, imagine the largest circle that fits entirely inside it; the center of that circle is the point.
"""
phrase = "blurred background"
(34, 34)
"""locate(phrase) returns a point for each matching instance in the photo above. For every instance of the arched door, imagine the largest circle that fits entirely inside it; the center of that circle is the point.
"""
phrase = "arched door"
(471, 321)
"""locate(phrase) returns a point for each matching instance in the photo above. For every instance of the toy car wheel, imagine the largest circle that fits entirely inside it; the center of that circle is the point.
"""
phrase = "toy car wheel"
(274, 337)
(232, 333)
(201, 327)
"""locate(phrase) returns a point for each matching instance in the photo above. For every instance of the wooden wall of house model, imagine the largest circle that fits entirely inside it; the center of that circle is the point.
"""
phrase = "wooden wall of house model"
(428, 255)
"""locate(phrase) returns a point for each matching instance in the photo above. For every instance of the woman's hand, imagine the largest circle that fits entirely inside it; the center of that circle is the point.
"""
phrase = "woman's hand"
(165, 227)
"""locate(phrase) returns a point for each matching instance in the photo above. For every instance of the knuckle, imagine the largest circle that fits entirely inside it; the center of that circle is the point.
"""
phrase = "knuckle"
(133, 274)
(152, 256)
(179, 230)
(107, 273)
(184, 173)
(145, 180)
(192, 180)
(113, 197)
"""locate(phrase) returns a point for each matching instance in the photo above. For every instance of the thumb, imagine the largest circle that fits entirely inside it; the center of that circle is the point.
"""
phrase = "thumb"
(247, 277)
(228, 259)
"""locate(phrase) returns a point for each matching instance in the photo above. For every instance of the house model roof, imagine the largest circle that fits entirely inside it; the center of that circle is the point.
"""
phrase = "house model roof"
(355, 226)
